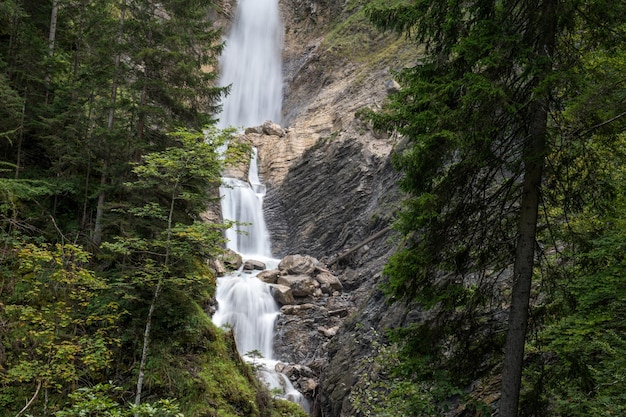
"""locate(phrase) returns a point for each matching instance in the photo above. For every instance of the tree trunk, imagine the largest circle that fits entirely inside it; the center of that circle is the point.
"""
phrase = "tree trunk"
(20, 140)
(157, 291)
(146, 343)
(98, 227)
(141, 123)
(97, 234)
(523, 271)
(534, 154)
(51, 41)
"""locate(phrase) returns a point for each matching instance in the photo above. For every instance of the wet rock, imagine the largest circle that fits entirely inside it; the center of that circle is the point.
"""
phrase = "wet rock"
(231, 259)
(251, 265)
(269, 276)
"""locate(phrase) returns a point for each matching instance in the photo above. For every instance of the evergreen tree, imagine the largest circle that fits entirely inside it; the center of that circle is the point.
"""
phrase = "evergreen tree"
(90, 88)
(480, 114)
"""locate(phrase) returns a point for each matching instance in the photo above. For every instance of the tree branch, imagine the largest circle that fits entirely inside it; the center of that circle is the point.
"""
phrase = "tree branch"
(30, 401)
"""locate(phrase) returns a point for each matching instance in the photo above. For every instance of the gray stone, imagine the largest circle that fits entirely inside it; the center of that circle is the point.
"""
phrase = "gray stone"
(301, 285)
(282, 294)
(231, 259)
(273, 129)
(254, 130)
(307, 385)
(252, 265)
(328, 332)
(298, 264)
(392, 86)
(328, 282)
(301, 310)
(220, 268)
(269, 276)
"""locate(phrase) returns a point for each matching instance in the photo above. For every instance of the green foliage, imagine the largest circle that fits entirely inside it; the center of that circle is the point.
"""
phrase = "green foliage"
(352, 36)
(86, 157)
(578, 362)
(392, 383)
(59, 329)
(97, 402)
(283, 408)
(170, 240)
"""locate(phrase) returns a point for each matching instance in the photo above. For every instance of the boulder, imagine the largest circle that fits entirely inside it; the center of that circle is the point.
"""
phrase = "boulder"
(308, 386)
(297, 371)
(282, 294)
(252, 265)
(328, 282)
(254, 130)
(273, 129)
(269, 276)
(300, 311)
(392, 86)
(301, 285)
(231, 259)
(298, 264)
(220, 268)
(328, 332)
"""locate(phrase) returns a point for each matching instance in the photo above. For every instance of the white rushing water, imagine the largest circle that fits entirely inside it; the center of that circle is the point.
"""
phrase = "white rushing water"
(252, 65)
(245, 303)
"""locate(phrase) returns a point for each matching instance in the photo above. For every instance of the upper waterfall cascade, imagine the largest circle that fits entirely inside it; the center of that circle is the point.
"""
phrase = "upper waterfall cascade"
(251, 65)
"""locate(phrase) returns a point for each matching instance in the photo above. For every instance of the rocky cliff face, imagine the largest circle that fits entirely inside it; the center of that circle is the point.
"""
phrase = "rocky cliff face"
(331, 195)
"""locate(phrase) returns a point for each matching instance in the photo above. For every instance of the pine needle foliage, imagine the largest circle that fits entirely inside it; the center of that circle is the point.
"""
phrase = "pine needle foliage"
(484, 114)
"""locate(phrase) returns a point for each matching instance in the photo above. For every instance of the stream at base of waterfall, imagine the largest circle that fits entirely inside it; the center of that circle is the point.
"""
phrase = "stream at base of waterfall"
(252, 66)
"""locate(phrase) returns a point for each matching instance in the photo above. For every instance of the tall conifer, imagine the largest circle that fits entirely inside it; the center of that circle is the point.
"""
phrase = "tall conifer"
(478, 114)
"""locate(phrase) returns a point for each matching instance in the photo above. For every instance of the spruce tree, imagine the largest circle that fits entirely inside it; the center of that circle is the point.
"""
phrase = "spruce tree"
(479, 116)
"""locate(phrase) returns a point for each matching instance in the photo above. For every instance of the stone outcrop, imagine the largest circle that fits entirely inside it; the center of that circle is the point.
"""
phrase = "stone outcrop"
(322, 210)
(331, 186)
(282, 294)
(230, 260)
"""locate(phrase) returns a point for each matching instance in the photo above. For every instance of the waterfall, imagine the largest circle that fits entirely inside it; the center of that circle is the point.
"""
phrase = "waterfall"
(251, 64)
(245, 303)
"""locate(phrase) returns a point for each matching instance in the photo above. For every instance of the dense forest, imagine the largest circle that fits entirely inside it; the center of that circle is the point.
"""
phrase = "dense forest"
(514, 128)
(108, 160)
(513, 162)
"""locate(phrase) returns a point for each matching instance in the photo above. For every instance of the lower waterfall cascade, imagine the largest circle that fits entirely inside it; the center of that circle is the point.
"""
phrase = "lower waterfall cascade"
(245, 303)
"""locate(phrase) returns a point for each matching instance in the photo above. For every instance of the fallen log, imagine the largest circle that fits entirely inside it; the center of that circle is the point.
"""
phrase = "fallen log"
(348, 252)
